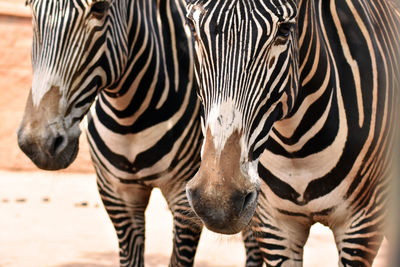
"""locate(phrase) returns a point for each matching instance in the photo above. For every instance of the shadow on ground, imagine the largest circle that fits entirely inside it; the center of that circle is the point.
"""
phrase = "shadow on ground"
(109, 259)
(103, 259)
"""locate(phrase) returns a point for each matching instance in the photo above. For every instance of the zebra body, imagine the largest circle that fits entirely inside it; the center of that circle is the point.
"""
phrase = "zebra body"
(303, 93)
(144, 132)
(133, 60)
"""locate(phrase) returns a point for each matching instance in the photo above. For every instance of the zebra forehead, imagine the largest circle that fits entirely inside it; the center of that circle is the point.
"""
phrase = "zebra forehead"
(283, 9)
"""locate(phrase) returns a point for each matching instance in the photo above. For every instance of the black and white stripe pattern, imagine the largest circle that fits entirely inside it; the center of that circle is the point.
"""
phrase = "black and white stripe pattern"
(311, 85)
(133, 59)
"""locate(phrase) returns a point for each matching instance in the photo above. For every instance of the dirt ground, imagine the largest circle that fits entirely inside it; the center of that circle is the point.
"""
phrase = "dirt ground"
(56, 218)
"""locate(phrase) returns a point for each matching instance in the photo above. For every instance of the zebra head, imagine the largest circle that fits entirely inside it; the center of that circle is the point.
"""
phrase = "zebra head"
(246, 69)
(79, 47)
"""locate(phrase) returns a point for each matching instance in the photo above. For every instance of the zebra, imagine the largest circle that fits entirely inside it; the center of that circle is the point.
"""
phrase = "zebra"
(298, 100)
(126, 69)
(133, 60)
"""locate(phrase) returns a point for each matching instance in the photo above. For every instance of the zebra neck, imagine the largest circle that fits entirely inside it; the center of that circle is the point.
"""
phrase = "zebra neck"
(335, 126)
(159, 68)
(318, 93)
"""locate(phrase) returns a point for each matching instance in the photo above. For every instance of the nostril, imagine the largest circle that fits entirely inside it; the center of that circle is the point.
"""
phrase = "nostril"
(193, 195)
(56, 147)
(249, 199)
(188, 194)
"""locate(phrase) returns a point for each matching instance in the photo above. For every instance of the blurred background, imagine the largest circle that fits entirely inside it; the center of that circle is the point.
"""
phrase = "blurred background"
(56, 218)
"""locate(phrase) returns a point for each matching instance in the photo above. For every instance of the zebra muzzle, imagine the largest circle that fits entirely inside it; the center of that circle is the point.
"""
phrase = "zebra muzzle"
(220, 193)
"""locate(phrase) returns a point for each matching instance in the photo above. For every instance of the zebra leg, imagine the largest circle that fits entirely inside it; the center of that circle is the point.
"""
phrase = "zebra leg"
(359, 235)
(281, 238)
(253, 254)
(187, 229)
(125, 205)
(282, 244)
(359, 242)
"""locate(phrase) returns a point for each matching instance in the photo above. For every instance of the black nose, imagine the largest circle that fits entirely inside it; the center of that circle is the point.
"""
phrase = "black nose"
(238, 201)
(50, 144)
(49, 152)
(220, 212)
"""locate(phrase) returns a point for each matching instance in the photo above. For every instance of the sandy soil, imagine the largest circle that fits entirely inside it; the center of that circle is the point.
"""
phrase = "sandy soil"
(56, 218)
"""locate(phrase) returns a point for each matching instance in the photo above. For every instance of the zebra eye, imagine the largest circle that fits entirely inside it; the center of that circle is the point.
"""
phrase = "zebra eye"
(190, 23)
(199, 96)
(98, 9)
(285, 29)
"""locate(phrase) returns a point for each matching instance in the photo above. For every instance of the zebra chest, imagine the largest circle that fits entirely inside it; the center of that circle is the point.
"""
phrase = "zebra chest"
(304, 162)
(287, 185)
(132, 157)
(299, 172)
(290, 183)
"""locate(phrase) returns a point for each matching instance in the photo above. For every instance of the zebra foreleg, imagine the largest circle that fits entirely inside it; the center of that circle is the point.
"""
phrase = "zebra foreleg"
(253, 254)
(279, 248)
(187, 230)
(281, 238)
(186, 239)
(359, 237)
(359, 243)
(126, 211)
